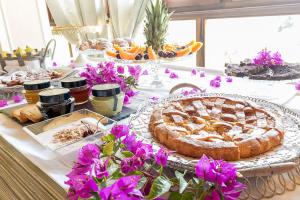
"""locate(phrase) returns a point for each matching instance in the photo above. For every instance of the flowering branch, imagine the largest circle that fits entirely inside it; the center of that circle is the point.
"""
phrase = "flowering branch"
(126, 168)
(107, 72)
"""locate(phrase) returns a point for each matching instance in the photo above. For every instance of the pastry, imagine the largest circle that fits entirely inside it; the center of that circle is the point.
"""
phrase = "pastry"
(17, 114)
(221, 128)
(32, 113)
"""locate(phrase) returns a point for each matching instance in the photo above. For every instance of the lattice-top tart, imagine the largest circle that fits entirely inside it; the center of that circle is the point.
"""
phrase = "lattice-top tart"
(221, 128)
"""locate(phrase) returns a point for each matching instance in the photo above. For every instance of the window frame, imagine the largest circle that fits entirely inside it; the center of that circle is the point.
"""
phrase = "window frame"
(230, 9)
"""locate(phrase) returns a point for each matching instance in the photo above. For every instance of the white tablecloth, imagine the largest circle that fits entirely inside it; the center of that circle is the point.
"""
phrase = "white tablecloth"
(45, 159)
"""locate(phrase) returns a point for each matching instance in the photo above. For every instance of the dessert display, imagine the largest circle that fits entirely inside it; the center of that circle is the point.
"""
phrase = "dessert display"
(78, 89)
(219, 127)
(55, 102)
(264, 67)
(169, 51)
(27, 113)
(19, 77)
(33, 88)
(97, 44)
(107, 99)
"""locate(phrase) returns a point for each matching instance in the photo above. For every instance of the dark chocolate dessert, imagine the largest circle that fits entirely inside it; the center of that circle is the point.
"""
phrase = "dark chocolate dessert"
(265, 66)
(261, 72)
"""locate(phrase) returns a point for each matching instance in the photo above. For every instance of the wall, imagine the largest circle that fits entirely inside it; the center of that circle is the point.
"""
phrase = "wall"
(23, 22)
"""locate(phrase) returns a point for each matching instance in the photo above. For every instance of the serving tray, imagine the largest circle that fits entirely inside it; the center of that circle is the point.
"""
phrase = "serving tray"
(289, 151)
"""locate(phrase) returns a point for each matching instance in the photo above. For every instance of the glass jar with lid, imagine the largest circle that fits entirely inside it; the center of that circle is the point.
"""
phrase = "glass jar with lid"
(33, 88)
(78, 89)
(107, 99)
(55, 102)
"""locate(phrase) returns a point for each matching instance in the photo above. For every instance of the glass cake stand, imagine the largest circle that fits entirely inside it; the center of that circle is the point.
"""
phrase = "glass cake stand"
(155, 66)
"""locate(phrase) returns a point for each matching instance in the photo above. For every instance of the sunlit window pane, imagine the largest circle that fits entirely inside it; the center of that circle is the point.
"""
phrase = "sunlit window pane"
(234, 39)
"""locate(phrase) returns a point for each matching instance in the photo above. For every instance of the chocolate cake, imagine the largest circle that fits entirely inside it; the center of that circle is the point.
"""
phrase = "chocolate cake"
(262, 72)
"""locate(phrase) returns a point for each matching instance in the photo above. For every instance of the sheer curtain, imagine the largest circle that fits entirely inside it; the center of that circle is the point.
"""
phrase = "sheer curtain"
(126, 16)
(80, 13)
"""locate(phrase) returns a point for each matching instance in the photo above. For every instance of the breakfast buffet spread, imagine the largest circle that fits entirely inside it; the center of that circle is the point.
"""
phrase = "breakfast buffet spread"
(84, 105)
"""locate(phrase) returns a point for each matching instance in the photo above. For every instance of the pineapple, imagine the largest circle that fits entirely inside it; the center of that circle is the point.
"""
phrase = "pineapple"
(156, 24)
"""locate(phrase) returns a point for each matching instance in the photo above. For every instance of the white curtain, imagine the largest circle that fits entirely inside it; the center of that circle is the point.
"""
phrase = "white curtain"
(80, 13)
(126, 16)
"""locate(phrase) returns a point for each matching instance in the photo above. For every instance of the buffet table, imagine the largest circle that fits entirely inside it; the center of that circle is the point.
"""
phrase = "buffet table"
(45, 162)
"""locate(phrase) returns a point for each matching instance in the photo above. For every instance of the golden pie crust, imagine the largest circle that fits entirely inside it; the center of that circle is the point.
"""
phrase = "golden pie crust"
(221, 128)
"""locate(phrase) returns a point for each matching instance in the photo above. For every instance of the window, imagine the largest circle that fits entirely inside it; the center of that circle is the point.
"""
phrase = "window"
(234, 39)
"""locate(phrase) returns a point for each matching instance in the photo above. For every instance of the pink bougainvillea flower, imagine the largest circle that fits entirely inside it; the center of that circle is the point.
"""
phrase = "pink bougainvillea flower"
(167, 71)
(215, 83)
(188, 92)
(161, 157)
(87, 154)
(17, 98)
(154, 98)
(101, 168)
(126, 99)
(123, 188)
(173, 75)
(202, 74)
(218, 78)
(120, 69)
(229, 79)
(145, 72)
(120, 130)
(3, 103)
(54, 64)
(222, 174)
(297, 86)
(81, 186)
(276, 59)
(135, 71)
(194, 72)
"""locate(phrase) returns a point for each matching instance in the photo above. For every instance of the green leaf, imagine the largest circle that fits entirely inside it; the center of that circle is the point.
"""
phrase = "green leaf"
(182, 182)
(142, 182)
(116, 174)
(160, 186)
(196, 180)
(108, 138)
(96, 196)
(108, 148)
(127, 154)
(183, 196)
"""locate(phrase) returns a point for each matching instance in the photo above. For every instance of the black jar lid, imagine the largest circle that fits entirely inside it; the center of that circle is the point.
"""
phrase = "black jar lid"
(73, 82)
(36, 85)
(54, 96)
(106, 90)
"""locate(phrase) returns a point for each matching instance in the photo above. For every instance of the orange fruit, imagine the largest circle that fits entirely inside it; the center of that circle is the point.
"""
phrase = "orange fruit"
(191, 43)
(169, 47)
(151, 53)
(183, 52)
(133, 49)
(126, 55)
(196, 46)
(111, 53)
(117, 47)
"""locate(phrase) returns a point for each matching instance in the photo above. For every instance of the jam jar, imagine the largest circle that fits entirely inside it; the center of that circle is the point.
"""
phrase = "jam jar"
(78, 89)
(107, 99)
(55, 102)
(33, 88)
